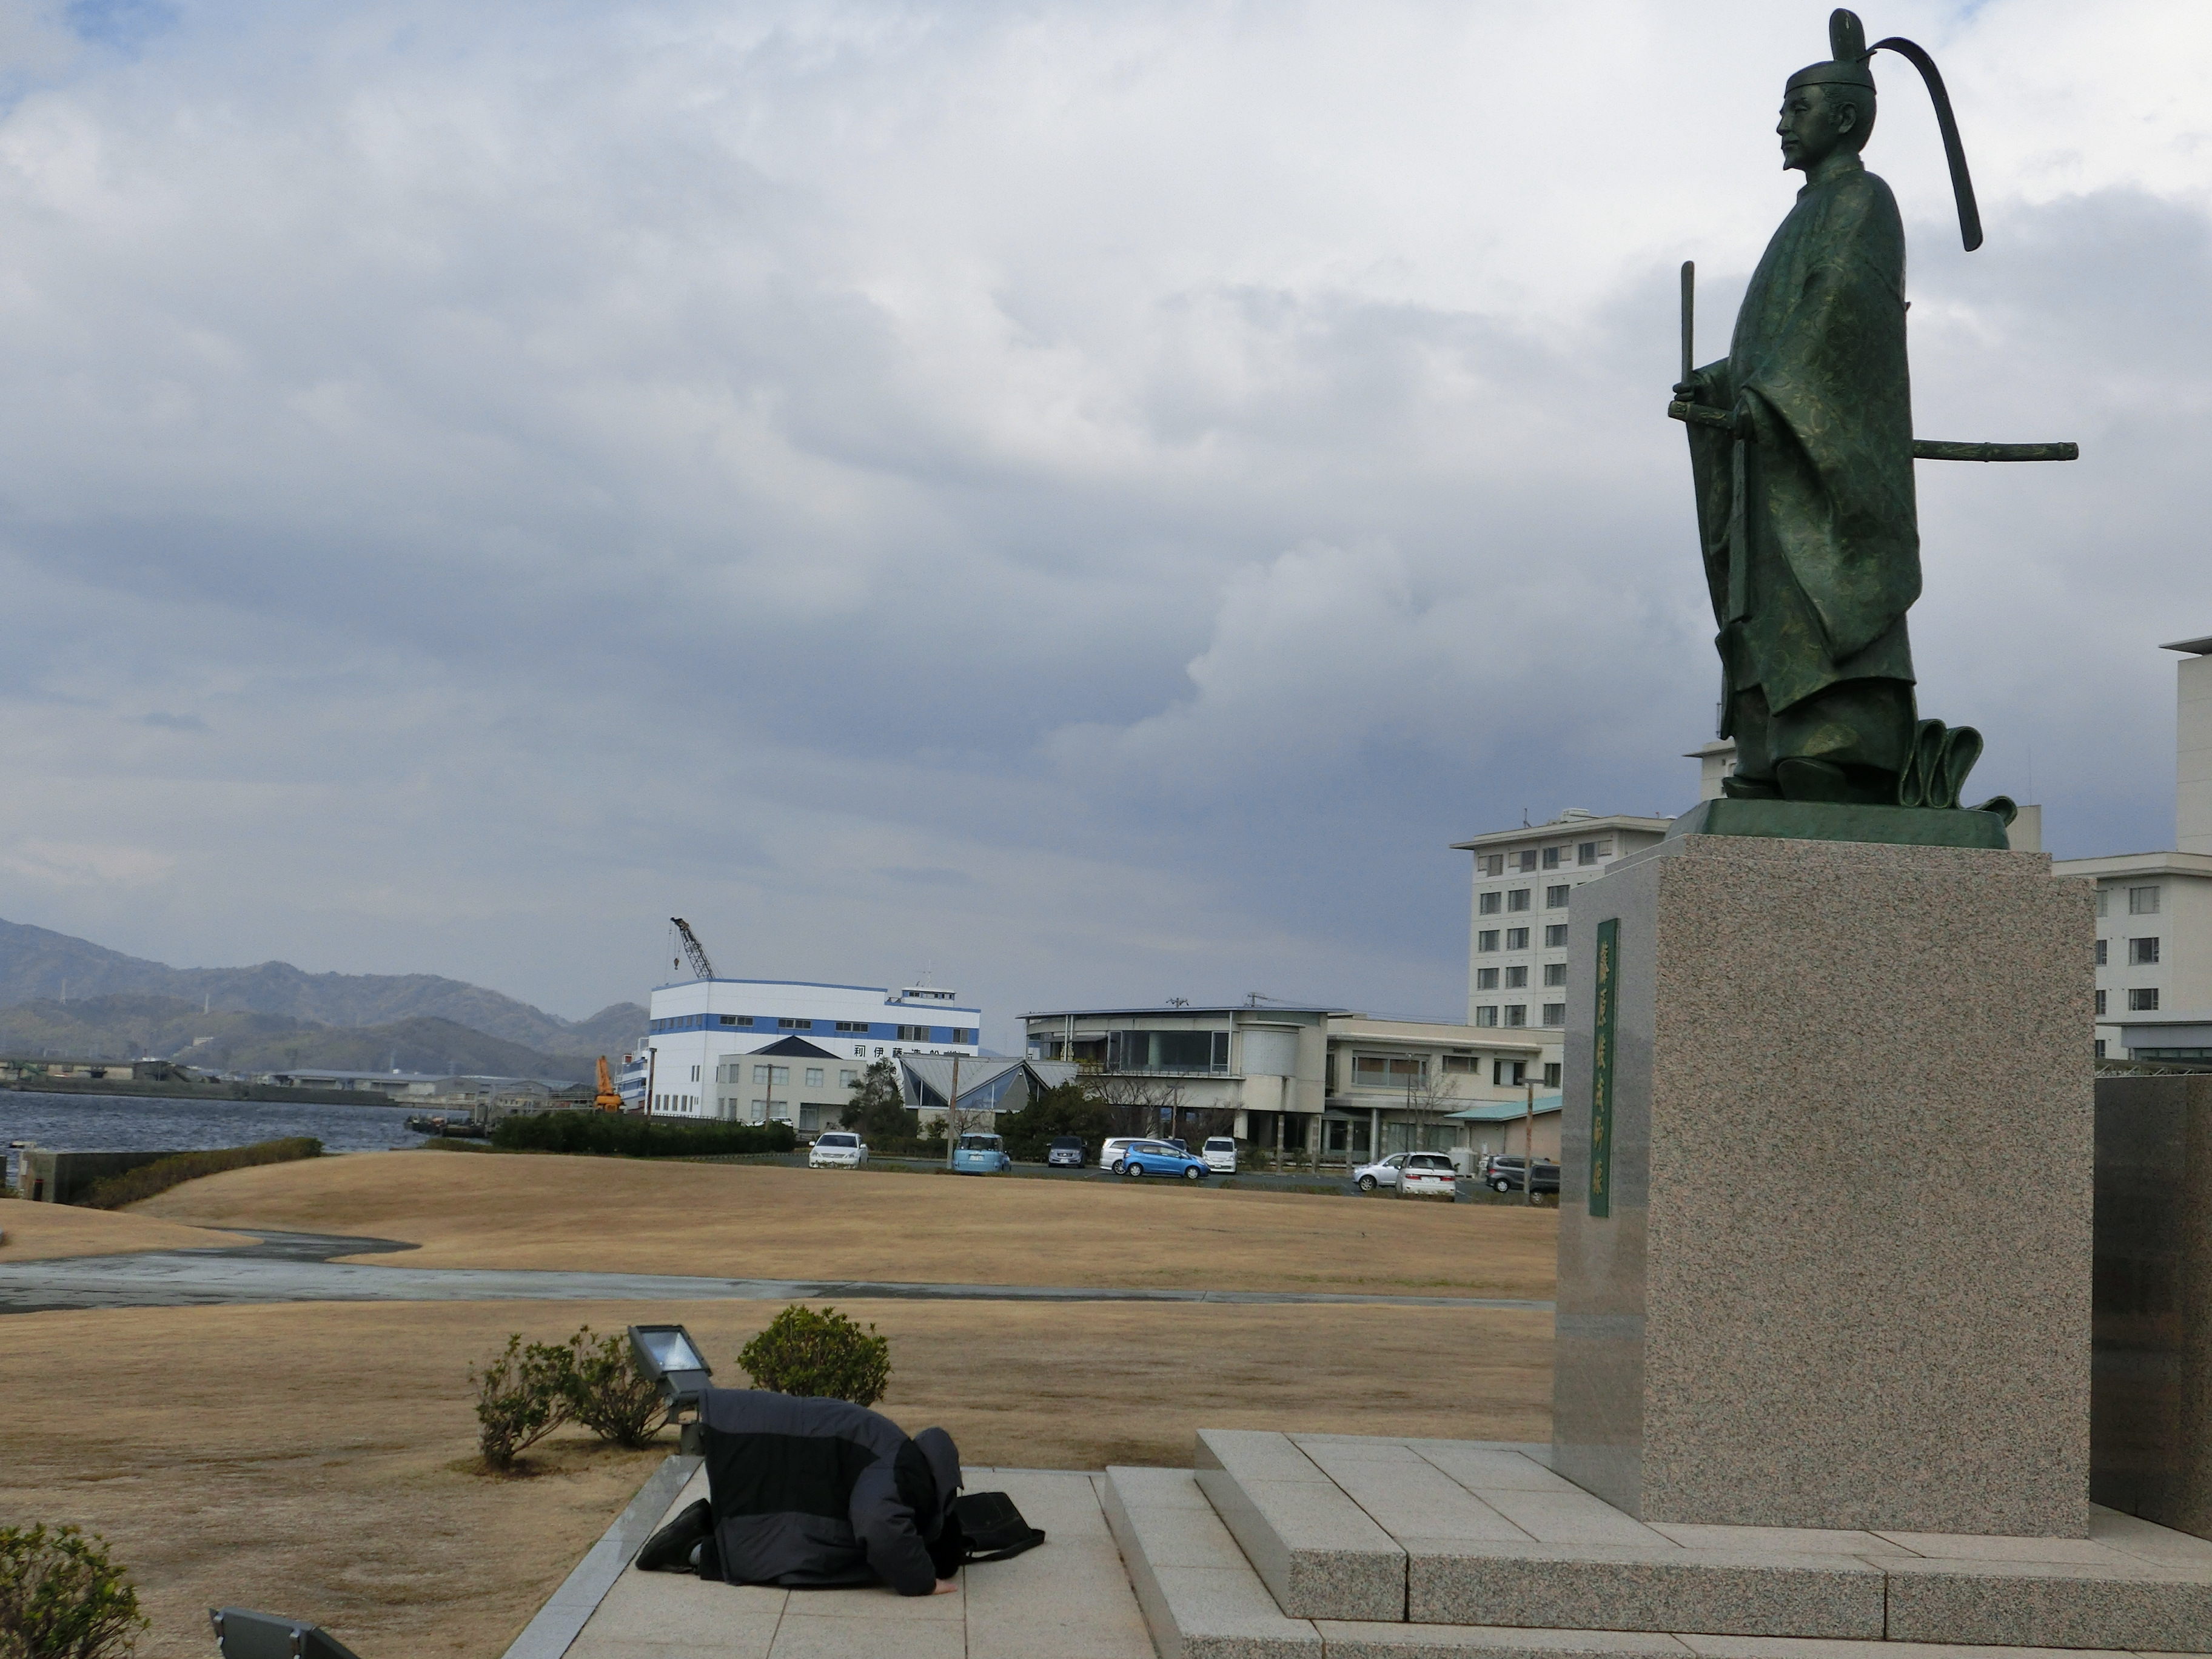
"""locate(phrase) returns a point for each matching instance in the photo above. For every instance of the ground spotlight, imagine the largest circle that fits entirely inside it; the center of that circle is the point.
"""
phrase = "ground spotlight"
(667, 1355)
(241, 1633)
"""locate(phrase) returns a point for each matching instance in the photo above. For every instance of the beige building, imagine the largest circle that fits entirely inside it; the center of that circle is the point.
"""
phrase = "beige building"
(1524, 884)
(1303, 1083)
(2154, 909)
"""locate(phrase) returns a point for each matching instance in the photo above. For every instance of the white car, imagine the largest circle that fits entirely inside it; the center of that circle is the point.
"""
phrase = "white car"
(1110, 1151)
(1410, 1172)
(837, 1149)
(1220, 1154)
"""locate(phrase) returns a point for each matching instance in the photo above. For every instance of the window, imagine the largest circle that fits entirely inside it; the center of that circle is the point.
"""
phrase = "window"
(782, 1073)
(1551, 857)
(2104, 897)
(1555, 973)
(1517, 939)
(1526, 860)
(1587, 853)
(847, 1079)
(858, 1025)
(760, 1073)
(1555, 936)
(814, 1077)
(913, 1034)
(695, 1073)
(1486, 1015)
(1555, 898)
(2143, 1000)
(1552, 1075)
(861, 1049)
(737, 1019)
(963, 1033)
(1487, 905)
(794, 1025)
(760, 1111)
(1487, 939)
(2100, 1004)
(1509, 1072)
(2100, 1048)
(2141, 952)
(1493, 863)
(1518, 898)
(1166, 1051)
(2142, 900)
(1555, 1013)
(1517, 1013)
(1486, 979)
(2100, 952)
(1462, 1063)
(1516, 978)
(1387, 1071)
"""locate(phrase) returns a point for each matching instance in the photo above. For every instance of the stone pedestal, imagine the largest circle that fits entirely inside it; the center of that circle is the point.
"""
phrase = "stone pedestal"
(1844, 1279)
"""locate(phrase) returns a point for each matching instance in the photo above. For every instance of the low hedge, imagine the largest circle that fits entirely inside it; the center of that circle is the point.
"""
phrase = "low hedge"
(118, 1190)
(617, 1134)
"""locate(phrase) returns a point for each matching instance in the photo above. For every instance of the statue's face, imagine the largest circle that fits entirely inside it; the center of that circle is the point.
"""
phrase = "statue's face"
(1816, 121)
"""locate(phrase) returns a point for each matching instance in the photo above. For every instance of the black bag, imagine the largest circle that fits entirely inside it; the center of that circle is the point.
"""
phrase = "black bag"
(990, 1527)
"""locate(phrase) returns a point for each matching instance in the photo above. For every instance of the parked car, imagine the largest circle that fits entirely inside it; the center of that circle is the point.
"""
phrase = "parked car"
(837, 1149)
(1110, 1151)
(1393, 1170)
(1504, 1174)
(979, 1154)
(1067, 1150)
(1220, 1154)
(1150, 1157)
(1428, 1175)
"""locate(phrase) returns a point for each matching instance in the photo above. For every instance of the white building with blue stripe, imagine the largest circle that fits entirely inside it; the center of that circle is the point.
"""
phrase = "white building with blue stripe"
(788, 1051)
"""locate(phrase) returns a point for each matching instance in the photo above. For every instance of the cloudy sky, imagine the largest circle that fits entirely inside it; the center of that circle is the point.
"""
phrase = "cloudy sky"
(1086, 500)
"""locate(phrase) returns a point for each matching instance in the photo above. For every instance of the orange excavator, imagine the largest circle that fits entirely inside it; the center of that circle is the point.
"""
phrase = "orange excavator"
(609, 1099)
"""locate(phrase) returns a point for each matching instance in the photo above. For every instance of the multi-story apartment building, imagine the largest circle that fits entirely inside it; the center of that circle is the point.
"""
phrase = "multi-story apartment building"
(2154, 909)
(1524, 884)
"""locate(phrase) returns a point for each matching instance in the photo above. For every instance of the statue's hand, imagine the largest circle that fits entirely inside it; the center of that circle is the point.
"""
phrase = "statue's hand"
(1690, 391)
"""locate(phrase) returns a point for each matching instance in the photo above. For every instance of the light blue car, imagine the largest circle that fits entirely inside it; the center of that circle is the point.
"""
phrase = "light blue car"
(977, 1154)
(1151, 1157)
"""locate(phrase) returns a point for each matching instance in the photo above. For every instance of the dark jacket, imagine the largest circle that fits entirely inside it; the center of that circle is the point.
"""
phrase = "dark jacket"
(818, 1493)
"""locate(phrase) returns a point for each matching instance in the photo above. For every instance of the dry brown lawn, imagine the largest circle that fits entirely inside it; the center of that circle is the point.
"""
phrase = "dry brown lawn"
(488, 1210)
(319, 1460)
(36, 1231)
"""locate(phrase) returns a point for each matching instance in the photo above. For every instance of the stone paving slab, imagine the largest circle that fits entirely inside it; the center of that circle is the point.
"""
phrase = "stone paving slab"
(1200, 1595)
(1315, 1549)
(1069, 1599)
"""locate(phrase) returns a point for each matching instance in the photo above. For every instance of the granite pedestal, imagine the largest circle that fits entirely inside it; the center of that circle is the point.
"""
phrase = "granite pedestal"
(1844, 1279)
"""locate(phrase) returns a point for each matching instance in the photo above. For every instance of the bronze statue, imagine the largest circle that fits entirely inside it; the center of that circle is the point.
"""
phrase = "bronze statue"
(1802, 448)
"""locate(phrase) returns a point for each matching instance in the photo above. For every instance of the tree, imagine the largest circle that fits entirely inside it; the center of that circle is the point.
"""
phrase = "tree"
(876, 1108)
(1069, 1109)
(1429, 1097)
(1136, 1105)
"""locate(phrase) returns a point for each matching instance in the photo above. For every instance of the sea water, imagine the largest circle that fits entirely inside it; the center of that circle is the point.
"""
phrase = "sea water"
(103, 1123)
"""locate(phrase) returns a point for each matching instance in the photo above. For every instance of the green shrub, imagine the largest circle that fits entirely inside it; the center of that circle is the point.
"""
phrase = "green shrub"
(1068, 1110)
(825, 1356)
(617, 1134)
(523, 1395)
(61, 1597)
(607, 1393)
(128, 1188)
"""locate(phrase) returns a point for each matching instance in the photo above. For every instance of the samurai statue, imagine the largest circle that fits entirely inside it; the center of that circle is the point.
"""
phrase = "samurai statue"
(1802, 448)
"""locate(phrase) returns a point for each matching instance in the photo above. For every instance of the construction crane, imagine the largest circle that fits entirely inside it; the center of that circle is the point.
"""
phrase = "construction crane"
(693, 949)
(609, 1098)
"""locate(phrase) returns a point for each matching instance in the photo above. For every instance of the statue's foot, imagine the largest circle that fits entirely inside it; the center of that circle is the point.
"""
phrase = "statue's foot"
(1813, 779)
(1743, 788)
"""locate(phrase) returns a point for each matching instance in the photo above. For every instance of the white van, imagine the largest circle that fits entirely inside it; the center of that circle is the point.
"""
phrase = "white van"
(1109, 1153)
(1220, 1154)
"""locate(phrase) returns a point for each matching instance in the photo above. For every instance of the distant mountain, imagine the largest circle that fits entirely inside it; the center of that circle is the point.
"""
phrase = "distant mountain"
(37, 964)
(126, 1027)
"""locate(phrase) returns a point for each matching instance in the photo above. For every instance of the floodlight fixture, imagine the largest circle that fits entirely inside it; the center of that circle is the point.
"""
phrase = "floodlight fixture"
(667, 1355)
(241, 1633)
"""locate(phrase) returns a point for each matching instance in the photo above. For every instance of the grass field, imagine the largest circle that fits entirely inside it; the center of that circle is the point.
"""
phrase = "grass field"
(771, 1222)
(34, 1232)
(319, 1459)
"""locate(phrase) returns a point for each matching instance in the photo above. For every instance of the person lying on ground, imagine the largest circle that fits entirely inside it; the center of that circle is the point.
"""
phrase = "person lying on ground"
(815, 1493)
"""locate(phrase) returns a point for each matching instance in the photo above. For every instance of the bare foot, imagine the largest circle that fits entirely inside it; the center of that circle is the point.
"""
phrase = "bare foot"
(945, 1587)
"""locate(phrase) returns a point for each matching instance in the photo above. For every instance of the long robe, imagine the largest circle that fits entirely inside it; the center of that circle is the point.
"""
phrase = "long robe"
(1812, 544)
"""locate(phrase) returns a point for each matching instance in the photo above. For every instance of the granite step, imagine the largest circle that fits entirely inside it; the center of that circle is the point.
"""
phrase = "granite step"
(1377, 1531)
(1199, 1595)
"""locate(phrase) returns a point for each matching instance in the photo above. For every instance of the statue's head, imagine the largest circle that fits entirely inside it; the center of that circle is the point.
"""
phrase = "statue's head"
(1829, 106)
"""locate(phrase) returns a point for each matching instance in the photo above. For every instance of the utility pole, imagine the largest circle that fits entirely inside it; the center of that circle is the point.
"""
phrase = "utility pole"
(951, 1102)
(1528, 1139)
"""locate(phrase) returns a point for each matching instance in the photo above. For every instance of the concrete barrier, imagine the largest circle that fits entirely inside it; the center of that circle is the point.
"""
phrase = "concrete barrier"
(53, 1177)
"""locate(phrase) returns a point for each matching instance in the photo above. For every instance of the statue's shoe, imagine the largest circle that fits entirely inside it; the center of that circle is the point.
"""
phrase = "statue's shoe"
(1813, 779)
(669, 1549)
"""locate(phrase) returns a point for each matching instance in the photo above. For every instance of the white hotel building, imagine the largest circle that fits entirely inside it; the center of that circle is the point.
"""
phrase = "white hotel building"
(761, 1051)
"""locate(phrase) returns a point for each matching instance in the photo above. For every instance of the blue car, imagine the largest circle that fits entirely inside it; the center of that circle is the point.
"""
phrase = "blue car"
(978, 1154)
(1151, 1157)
